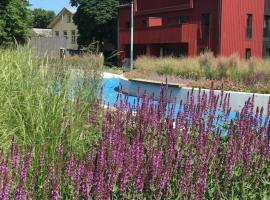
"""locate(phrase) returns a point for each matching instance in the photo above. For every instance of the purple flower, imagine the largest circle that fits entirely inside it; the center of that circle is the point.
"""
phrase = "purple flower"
(49, 176)
(23, 175)
(229, 165)
(69, 166)
(3, 190)
(186, 176)
(77, 179)
(55, 192)
(60, 149)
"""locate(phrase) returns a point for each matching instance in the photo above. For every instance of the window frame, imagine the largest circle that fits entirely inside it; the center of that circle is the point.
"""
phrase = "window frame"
(69, 18)
(65, 34)
(56, 33)
(205, 26)
(266, 26)
(248, 53)
(144, 23)
(73, 36)
(176, 20)
(128, 24)
(249, 26)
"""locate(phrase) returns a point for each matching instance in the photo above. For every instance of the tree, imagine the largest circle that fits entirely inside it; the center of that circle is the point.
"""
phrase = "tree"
(96, 20)
(42, 18)
(15, 21)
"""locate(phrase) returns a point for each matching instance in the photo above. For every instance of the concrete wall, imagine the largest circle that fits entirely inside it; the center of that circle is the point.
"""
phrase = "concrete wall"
(237, 99)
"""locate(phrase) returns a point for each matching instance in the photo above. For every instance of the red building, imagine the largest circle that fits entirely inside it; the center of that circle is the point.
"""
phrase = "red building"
(188, 27)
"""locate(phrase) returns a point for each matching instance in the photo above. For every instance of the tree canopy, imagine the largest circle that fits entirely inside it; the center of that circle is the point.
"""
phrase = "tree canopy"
(15, 21)
(96, 20)
(42, 18)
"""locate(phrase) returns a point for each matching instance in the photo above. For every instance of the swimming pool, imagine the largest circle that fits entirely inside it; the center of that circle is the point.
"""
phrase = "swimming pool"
(110, 93)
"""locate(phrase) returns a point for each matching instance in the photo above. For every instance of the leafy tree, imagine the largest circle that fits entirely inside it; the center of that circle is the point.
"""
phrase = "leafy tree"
(96, 20)
(15, 21)
(42, 18)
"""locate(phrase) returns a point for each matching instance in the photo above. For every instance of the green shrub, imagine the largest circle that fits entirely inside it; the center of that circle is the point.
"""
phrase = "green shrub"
(222, 69)
(166, 70)
(206, 65)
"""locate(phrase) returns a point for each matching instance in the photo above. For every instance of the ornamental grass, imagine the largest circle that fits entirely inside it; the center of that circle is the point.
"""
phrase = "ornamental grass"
(241, 75)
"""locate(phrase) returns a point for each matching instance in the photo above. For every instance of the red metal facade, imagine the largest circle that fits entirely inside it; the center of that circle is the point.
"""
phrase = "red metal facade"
(187, 27)
(233, 27)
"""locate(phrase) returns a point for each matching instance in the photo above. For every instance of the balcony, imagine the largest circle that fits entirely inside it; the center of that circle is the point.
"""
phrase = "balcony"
(158, 6)
(160, 34)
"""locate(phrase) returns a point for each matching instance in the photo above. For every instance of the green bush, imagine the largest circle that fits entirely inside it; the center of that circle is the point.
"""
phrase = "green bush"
(206, 65)
(166, 70)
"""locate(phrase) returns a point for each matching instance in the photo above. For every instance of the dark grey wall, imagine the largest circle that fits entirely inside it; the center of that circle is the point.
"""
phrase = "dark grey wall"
(266, 41)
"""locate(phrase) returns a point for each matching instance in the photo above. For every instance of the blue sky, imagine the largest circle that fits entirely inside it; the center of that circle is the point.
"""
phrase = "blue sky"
(55, 5)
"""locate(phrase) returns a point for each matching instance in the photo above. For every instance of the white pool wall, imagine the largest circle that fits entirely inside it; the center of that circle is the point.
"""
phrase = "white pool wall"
(237, 99)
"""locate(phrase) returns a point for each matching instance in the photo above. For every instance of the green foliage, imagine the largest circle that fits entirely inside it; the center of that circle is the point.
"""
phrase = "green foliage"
(96, 20)
(42, 18)
(15, 21)
(166, 70)
(41, 105)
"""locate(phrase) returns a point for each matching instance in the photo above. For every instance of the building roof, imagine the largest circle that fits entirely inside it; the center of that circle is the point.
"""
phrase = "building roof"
(58, 16)
(41, 32)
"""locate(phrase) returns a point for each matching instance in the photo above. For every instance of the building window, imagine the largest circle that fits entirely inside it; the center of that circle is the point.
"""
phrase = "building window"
(57, 33)
(266, 26)
(248, 53)
(205, 26)
(176, 20)
(249, 26)
(68, 18)
(65, 34)
(128, 24)
(73, 37)
(144, 23)
(268, 53)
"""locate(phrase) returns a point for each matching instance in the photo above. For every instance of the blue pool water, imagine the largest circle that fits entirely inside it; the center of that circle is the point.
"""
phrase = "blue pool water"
(110, 93)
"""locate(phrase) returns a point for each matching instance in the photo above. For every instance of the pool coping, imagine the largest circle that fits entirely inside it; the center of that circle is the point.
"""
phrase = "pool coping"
(147, 81)
(180, 86)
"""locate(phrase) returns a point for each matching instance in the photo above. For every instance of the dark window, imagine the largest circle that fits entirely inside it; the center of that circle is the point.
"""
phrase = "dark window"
(144, 23)
(249, 26)
(266, 26)
(268, 52)
(205, 26)
(176, 20)
(73, 36)
(128, 24)
(248, 54)
(65, 34)
(57, 33)
(69, 19)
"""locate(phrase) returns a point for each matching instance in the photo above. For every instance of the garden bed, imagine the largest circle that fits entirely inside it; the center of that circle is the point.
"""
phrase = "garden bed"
(237, 75)
(54, 148)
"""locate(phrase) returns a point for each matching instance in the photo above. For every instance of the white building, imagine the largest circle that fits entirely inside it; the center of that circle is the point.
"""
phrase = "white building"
(63, 26)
